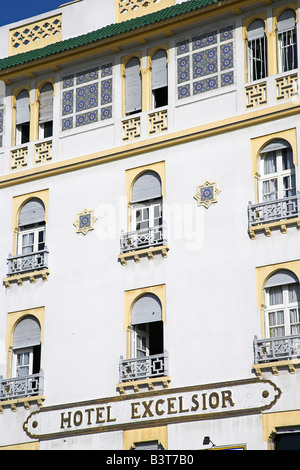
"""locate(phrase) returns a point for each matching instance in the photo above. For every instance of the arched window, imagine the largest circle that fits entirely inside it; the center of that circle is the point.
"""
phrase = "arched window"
(282, 301)
(133, 87)
(146, 202)
(22, 118)
(277, 171)
(257, 51)
(26, 347)
(159, 79)
(31, 235)
(287, 41)
(147, 327)
(46, 111)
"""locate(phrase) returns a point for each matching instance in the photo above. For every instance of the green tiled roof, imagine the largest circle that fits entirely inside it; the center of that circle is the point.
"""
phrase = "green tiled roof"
(104, 33)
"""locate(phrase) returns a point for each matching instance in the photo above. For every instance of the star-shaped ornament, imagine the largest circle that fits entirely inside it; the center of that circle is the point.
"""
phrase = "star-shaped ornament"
(207, 194)
(85, 221)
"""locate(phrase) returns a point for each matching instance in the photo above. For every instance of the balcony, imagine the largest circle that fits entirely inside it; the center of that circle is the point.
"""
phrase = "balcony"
(144, 125)
(264, 216)
(146, 241)
(16, 388)
(275, 352)
(29, 266)
(30, 154)
(147, 367)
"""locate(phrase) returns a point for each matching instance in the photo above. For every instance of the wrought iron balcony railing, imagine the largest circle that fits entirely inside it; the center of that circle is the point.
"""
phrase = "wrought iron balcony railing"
(273, 211)
(20, 264)
(276, 349)
(144, 367)
(145, 238)
(18, 387)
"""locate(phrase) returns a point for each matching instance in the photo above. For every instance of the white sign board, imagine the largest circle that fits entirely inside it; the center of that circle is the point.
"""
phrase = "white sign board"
(154, 408)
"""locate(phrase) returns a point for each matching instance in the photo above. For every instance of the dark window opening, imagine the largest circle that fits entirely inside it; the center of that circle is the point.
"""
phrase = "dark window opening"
(289, 441)
(160, 96)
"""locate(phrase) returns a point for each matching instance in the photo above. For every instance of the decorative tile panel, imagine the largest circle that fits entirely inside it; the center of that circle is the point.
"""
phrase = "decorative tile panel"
(35, 35)
(87, 97)
(205, 63)
(286, 87)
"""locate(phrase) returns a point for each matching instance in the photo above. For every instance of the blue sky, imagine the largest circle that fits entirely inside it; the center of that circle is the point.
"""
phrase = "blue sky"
(15, 10)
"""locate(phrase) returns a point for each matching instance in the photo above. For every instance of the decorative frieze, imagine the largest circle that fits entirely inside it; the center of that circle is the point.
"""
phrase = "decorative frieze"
(286, 87)
(43, 152)
(256, 95)
(158, 122)
(127, 9)
(35, 35)
(18, 158)
(131, 129)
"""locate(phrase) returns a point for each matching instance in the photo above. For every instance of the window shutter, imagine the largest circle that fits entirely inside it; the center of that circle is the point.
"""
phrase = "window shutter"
(22, 108)
(280, 278)
(133, 86)
(286, 21)
(146, 309)
(159, 70)
(27, 333)
(46, 104)
(147, 186)
(256, 30)
(32, 212)
(276, 144)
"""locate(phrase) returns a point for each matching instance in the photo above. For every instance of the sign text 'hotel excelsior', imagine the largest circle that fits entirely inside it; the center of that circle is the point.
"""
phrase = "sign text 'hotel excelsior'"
(154, 408)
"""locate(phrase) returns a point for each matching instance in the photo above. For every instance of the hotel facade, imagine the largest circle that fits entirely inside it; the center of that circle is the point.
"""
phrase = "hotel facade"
(149, 243)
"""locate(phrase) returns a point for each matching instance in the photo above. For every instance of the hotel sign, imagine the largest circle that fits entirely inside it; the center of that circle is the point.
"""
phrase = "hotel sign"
(154, 408)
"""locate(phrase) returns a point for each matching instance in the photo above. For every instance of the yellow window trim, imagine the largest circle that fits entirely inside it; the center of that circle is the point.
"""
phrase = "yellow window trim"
(160, 434)
(257, 143)
(272, 421)
(18, 203)
(13, 318)
(262, 275)
(131, 296)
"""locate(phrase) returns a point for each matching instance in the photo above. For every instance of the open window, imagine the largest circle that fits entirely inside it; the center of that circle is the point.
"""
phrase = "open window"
(159, 79)
(22, 135)
(146, 205)
(46, 111)
(277, 171)
(287, 41)
(133, 87)
(256, 50)
(282, 301)
(31, 230)
(26, 358)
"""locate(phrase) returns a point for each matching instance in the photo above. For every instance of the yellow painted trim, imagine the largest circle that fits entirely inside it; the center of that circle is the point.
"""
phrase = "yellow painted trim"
(131, 296)
(26, 446)
(152, 144)
(132, 175)
(257, 144)
(13, 319)
(147, 8)
(160, 434)
(271, 422)
(263, 273)
(17, 204)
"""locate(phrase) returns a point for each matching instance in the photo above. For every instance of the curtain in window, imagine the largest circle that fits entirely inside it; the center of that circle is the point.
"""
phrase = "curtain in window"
(159, 70)
(46, 104)
(257, 51)
(146, 187)
(133, 86)
(22, 108)
(32, 212)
